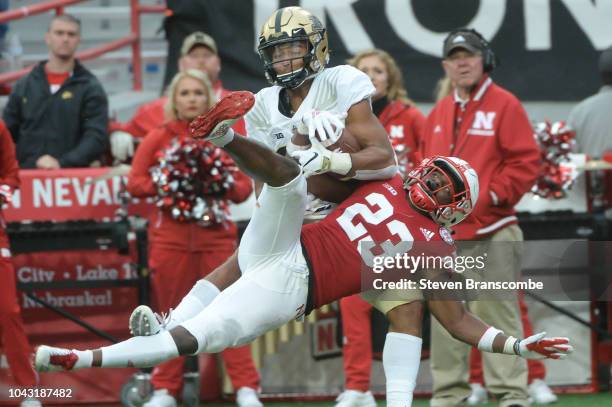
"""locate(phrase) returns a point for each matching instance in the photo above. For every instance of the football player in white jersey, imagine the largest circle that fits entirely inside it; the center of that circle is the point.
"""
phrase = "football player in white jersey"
(306, 96)
(309, 97)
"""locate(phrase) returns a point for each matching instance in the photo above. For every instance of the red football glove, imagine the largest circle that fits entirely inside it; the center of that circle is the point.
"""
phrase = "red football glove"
(539, 347)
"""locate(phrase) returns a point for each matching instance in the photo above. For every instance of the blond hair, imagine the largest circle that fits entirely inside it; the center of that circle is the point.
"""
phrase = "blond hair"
(170, 106)
(395, 82)
(443, 88)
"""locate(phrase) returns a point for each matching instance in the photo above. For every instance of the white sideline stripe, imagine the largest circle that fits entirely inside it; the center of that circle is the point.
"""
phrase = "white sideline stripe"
(477, 132)
(496, 225)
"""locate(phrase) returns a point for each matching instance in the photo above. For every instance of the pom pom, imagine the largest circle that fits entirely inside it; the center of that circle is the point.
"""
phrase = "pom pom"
(192, 178)
(557, 174)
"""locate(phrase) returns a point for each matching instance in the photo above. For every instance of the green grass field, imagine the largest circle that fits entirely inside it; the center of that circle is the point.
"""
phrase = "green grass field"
(574, 400)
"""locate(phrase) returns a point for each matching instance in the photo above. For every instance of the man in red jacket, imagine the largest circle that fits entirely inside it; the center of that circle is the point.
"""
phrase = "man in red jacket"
(198, 51)
(485, 125)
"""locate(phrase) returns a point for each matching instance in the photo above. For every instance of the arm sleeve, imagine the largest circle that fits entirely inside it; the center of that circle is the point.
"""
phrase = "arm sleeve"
(9, 170)
(521, 157)
(94, 130)
(140, 183)
(352, 86)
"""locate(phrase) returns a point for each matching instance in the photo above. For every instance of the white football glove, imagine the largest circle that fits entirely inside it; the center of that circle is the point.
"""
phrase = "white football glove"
(318, 160)
(538, 347)
(122, 145)
(326, 125)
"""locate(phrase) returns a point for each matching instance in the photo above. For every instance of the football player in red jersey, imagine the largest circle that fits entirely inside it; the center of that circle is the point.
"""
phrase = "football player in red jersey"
(289, 269)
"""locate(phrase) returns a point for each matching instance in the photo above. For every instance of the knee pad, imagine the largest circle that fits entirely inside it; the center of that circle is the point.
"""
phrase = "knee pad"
(213, 333)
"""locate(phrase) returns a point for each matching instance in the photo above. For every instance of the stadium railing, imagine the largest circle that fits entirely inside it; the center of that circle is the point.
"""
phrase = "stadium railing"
(133, 39)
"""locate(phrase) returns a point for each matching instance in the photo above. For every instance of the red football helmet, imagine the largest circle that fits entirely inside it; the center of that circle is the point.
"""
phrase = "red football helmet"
(457, 175)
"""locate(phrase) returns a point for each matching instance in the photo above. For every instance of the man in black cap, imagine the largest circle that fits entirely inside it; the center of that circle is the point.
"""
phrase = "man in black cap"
(485, 125)
(591, 118)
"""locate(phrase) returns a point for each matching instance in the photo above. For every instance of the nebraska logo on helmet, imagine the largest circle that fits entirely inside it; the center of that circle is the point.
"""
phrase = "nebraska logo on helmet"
(446, 236)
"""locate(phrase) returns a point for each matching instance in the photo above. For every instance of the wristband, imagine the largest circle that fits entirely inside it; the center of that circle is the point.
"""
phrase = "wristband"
(223, 140)
(485, 343)
(517, 347)
(510, 347)
(341, 163)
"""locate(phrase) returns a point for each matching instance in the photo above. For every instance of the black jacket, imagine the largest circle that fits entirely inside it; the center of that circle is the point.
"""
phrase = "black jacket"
(70, 125)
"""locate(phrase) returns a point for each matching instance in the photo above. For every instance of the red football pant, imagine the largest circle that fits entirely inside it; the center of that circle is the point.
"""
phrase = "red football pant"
(173, 275)
(12, 335)
(535, 368)
(357, 347)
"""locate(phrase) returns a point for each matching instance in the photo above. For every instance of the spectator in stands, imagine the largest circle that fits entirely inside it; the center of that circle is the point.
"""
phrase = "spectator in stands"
(199, 51)
(58, 113)
(404, 123)
(591, 118)
(181, 253)
(485, 125)
(12, 335)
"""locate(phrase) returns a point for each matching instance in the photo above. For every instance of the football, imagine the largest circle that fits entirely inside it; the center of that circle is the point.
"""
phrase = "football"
(347, 143)
(329, 186)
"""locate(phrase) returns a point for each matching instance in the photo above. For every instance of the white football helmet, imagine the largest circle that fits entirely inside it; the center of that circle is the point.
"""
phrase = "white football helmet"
(460, 177)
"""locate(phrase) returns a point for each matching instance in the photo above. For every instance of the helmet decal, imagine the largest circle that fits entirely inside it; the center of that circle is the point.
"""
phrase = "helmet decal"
(459, 180)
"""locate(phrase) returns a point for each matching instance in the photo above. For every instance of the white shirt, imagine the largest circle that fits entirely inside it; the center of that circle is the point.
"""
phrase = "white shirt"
(592, 121)
(334, 89)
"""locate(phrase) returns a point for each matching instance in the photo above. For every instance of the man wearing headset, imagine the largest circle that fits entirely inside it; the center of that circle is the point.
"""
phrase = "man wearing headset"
(485, 125)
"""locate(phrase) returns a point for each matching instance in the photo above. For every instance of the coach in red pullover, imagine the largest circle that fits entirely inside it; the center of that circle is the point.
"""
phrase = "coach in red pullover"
(485, 125)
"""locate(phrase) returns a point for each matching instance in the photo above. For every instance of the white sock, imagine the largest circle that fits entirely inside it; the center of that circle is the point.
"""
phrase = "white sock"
(222, 141)
(401, 359)
(140, 351)
(200, 296)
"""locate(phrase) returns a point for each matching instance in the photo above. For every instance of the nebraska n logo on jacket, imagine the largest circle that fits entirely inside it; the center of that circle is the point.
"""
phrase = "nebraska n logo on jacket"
(483, 124)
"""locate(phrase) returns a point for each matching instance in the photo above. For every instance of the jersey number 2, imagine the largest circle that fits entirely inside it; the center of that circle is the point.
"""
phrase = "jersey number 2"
(378, 210)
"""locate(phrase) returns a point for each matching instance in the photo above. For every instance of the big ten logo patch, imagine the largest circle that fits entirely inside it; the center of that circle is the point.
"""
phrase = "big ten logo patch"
(483, 124)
